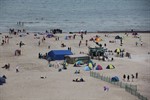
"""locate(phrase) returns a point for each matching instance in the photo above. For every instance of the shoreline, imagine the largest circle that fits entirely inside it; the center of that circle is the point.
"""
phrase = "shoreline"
(94, 32)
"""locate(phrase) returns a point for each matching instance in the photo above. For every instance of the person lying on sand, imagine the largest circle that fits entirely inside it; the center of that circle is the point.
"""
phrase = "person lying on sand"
(43, 77)
(6, 66)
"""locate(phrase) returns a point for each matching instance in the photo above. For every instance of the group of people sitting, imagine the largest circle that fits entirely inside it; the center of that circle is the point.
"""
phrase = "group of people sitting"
(63, 45)
(78, 80)
(6, 66)
(40, 56)
(77, 72)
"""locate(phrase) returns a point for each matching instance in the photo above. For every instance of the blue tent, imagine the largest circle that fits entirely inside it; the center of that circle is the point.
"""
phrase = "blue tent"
(58, 54)
(2, 80)
(86, 68)
(115, 79)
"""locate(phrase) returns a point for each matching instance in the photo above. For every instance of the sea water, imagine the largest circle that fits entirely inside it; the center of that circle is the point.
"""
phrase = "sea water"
(75, 15)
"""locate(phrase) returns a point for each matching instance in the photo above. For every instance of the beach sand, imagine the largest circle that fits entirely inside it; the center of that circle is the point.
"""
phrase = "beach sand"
(28, 85)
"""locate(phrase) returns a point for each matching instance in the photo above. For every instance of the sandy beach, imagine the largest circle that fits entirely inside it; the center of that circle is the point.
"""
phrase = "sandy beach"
(28, 85)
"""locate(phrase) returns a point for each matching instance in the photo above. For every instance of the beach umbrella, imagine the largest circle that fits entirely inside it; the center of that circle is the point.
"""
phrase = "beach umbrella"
(110, 66)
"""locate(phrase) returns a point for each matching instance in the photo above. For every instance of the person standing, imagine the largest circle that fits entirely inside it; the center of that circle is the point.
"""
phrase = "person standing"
(132, 77)
(79, 43)
(136, 43)
(124, 77)
(39, 43)
(86, 42)
(20, 44)
(128, 77)
(105, 45)
(136, 75)
(82, 36)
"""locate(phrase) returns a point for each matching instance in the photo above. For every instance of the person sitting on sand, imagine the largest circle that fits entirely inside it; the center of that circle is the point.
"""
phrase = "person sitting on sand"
(59, 70)
(4, 77)
(78, 71)
(63, 45)
(17, 69)
(76, 80)
(6, 66)
(81, 80)
(106, 88)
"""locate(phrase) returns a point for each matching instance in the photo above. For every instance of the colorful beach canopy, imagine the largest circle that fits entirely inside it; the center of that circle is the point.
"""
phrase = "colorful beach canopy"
(110, 66)
(98, 67)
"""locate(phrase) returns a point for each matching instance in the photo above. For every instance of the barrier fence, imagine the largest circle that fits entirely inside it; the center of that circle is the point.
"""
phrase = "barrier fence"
(128, 87)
